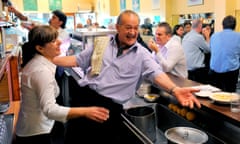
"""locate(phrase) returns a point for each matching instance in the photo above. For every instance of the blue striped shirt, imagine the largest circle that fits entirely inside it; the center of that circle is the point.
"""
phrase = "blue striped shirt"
(225, 51)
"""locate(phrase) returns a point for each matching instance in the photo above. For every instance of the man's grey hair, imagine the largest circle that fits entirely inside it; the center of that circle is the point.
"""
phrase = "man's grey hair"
(196, 23)
(128, 12)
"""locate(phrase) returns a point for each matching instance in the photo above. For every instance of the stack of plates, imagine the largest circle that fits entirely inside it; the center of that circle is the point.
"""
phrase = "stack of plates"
(206, 90)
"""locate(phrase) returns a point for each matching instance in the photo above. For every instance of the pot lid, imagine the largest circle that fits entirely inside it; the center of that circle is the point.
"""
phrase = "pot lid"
(186, 135)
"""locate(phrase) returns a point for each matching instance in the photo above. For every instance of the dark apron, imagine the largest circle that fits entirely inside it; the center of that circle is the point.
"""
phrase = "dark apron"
(83, 130)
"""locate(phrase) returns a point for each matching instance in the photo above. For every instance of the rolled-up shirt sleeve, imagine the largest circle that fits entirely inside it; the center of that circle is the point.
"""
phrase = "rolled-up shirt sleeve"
(151, 68)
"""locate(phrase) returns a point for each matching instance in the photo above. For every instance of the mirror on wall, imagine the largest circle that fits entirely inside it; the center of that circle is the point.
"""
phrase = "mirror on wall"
(207, 18)
(81, 18)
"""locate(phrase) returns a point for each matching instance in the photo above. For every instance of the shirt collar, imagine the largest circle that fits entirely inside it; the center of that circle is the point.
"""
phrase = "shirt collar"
(46, 62)
(113, 41)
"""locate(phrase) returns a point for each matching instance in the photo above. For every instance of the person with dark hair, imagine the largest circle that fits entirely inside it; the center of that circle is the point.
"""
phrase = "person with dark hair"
(113, 74)
(39, 89)
(168, 51)
(187, 25)
(58, 21)
(207, 32)
(225, 56)
(147, 27)
(178, 31)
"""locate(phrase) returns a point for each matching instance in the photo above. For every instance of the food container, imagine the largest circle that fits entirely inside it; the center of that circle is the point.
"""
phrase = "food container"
(144, 119)
(186, 135)
(151, 97)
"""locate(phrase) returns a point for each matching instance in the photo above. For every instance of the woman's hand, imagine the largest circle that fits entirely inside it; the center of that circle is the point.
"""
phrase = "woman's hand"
(98, 114)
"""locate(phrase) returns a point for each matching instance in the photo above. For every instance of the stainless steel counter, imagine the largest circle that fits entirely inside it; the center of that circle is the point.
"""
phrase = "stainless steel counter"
(94, 32)
(135, 101)
(165, 119)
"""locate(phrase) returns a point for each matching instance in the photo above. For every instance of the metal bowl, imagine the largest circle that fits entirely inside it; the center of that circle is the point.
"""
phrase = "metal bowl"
(186, 135)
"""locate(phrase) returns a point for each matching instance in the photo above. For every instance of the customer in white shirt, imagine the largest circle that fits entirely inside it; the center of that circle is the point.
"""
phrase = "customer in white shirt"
(39, 90)
(168, 51)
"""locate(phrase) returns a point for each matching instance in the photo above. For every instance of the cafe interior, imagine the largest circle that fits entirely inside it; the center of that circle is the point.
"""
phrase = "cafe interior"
(152, 115)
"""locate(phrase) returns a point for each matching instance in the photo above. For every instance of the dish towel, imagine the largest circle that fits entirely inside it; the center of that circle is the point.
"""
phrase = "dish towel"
(100, 44)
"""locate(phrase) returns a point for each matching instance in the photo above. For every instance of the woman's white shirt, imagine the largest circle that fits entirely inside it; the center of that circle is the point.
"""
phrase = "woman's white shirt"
(38, 104)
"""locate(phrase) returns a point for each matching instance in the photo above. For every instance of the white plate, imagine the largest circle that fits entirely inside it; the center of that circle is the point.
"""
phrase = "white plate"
(207, 88)
(223, 97)
(203, 94)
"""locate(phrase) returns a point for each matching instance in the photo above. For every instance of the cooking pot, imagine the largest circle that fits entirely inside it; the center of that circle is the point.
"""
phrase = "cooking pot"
(144, 119)
(186, 135)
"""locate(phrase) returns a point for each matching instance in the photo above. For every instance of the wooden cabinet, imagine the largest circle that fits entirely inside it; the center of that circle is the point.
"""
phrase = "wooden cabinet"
(9, 79)
(10, 93)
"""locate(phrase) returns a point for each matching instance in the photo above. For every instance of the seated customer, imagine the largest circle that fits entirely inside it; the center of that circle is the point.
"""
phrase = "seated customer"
(39, 90)
(168, 51)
